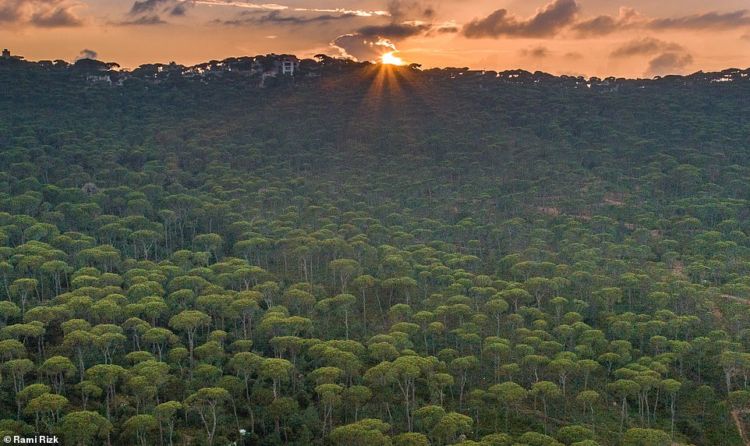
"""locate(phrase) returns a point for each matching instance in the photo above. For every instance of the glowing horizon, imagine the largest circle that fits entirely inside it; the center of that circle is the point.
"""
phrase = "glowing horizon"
(634, 38)
(390, 58)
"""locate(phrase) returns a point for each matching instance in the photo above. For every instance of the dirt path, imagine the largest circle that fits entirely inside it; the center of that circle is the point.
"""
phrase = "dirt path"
(716, 312)
(678, 269)
(551, 211)
(736, 299)
(738, 422)
(736, 414)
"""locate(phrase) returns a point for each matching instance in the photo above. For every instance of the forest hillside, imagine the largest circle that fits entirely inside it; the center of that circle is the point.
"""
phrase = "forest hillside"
(371, 255)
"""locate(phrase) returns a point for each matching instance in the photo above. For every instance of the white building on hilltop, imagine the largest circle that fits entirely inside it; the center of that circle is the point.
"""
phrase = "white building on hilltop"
(289, 65)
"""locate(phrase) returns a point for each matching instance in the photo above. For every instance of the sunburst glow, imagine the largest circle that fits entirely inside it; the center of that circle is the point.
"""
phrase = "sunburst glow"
(390, 58)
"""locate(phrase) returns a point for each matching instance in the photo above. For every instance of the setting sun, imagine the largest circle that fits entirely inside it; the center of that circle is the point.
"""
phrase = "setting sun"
(390, 58)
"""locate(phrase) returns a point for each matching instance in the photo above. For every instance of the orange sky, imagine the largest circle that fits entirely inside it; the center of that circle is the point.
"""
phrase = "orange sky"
(590, 37)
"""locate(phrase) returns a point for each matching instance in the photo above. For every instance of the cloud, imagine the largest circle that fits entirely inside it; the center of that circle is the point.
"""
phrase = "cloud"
(278, 18)
(10, 11)
(145, 6)
(629, 18)
(669, 63)
(361, 48)
(709, 20)
(87, 54)
(40, 13)
(172, 7)
(605, 24)
(146, 20)
(666, 57)
(278, 7)
(394, 30)
(179, 9)
(148, 12)
(407, 19)
(560, 15)
(273, 13)
(446, 28)
(405, 9)
(546, 22)
(59, 17)
(645, 46)
(537, 52)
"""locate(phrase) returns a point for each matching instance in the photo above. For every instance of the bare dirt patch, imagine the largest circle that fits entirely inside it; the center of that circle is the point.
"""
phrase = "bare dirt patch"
(552, 211)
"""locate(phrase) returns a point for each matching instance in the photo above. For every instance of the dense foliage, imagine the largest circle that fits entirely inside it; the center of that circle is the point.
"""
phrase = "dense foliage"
(376, 256)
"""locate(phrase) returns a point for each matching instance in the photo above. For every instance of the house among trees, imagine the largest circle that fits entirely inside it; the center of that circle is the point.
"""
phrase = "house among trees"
(103, 79)
(289, 65)
(7, 56)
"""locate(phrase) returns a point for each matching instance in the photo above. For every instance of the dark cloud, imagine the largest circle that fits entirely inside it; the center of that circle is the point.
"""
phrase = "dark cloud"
(645, 46)
(671, 62)
(40, 13)
(666, 57)
(148, 12)
(602, 24)
(59, 17)
(537, 52)
(446, 29)
(10, 11)
(279, 18)
(605, 24)
(394, 31)
(401, 10)
(408, 18)
(147, 6)
(146, 20)
(709, 20)
(179, 9)
(87, 54)
(629, 19)
(361, 48)
(546, 22)
(404, 30)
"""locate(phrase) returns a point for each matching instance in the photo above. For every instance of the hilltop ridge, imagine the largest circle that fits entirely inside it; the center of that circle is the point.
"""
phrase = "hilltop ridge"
(261, 68)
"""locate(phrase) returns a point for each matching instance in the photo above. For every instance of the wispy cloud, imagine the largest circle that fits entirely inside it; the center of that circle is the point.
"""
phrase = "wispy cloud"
(279, 7)
(537, 52)
(278, 17)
